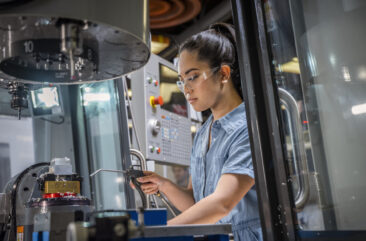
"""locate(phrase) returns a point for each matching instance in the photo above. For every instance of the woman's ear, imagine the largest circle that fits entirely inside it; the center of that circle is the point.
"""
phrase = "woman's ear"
(225, 72)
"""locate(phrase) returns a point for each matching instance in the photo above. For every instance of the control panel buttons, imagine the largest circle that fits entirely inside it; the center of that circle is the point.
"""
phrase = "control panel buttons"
(149, 80)
(152, 81)
(156, 83)
(152, 149)
(155, 126)
(156, 101)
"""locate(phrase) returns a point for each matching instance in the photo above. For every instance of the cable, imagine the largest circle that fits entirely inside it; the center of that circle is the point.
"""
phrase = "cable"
(139, 190)
(166, 202)
(14, 192)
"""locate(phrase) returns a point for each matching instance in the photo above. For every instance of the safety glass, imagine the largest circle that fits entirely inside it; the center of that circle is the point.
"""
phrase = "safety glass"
(191, 81)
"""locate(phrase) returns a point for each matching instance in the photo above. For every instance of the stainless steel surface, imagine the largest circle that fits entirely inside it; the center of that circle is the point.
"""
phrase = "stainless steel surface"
(166, 202)
(298, 147)
(66, 42)
(106, 170)
(141, 158)
(81, 231)
(185, 230)
(4, 207)
(143, 164)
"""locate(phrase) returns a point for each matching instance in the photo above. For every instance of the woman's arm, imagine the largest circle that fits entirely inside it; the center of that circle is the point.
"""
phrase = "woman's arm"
(230, 189)
(181, 198)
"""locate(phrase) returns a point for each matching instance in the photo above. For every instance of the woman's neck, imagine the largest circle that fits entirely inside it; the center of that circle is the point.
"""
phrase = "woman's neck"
(223, 107)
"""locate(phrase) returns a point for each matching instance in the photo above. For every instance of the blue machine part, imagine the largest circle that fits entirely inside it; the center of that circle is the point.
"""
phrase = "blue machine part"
(151, 216)
(41, 236)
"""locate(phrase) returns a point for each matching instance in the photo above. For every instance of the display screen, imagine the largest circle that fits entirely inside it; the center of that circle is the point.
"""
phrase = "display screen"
(174, 100)
(46, 101)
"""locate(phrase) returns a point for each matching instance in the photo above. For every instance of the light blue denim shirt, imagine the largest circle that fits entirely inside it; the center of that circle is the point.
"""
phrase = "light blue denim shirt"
(229, 152)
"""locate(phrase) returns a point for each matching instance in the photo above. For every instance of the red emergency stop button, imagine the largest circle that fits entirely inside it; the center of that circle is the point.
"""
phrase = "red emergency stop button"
(158, 150)
(156, 101)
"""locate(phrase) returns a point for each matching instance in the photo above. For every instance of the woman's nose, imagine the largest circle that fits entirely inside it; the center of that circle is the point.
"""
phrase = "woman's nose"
(187, 89)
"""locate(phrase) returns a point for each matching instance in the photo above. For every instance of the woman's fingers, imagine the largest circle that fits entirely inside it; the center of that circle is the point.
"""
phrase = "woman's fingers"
(150, 190)
(151, 177)
(148, 186)
(151, 182)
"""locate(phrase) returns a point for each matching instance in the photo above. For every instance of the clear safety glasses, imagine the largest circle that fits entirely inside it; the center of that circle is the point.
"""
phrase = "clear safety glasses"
(191, 81)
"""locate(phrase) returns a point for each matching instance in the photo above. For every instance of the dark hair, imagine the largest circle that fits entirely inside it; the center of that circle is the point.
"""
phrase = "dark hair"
(216, 46)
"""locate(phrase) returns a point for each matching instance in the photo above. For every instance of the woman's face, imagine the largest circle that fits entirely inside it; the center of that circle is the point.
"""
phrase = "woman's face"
(202, 84)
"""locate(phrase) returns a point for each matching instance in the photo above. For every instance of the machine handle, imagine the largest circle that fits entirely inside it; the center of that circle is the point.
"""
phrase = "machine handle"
(143, 165)
(298, 144)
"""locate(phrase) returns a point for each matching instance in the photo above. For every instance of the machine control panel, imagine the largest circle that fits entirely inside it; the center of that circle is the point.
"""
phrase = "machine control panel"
(162, 113)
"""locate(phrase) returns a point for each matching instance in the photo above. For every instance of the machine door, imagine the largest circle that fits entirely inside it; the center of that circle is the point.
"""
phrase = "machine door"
(107, 144)
(316, 58)
(319, 66)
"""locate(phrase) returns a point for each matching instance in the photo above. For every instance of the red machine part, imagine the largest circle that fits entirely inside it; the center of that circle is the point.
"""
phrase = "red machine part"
(58, 195)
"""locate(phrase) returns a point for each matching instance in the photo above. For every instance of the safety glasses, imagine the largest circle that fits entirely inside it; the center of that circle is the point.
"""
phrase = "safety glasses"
(192, 81)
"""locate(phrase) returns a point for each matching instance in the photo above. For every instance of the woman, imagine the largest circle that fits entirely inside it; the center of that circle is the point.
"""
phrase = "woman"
(221, 187)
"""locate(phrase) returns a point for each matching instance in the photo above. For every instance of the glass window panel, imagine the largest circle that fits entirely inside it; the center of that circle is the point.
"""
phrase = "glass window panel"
(101, 121)
(319, 68)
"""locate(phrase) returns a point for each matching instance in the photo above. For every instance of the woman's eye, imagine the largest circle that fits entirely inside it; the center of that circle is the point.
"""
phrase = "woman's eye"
(192, 77)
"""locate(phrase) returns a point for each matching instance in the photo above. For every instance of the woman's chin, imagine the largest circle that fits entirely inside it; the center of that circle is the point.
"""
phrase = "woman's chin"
(198, 108)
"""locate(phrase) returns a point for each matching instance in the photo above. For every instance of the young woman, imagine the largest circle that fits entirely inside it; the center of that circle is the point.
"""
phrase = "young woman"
(221, 187)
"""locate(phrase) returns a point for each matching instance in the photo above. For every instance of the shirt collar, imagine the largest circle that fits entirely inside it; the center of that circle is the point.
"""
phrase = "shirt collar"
(232, 120)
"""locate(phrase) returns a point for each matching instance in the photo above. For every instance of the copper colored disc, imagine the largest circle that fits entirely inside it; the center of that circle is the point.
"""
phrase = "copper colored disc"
(158, 8)
(179, 11)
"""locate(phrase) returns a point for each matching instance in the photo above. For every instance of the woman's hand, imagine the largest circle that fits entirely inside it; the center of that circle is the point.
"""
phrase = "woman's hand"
(151, 183)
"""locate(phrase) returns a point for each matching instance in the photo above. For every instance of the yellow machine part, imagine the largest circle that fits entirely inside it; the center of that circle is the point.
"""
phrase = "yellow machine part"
(62, 186)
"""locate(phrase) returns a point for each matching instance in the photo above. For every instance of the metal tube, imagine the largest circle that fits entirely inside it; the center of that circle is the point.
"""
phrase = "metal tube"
(298, 143)
(141, 158)
(143, 165)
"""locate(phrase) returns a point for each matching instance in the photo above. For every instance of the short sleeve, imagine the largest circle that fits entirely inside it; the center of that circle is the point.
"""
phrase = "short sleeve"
(239, 159)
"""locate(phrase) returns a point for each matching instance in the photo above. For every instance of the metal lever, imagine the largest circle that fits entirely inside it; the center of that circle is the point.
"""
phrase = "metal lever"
(300, 160)
(132, 175)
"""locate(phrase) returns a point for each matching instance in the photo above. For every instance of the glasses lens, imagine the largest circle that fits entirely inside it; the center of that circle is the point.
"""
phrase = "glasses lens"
(180, 85)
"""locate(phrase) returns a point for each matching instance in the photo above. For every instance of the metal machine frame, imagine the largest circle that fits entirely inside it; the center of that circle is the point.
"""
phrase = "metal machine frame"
(164, 136)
